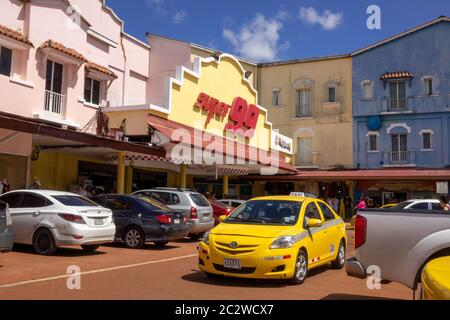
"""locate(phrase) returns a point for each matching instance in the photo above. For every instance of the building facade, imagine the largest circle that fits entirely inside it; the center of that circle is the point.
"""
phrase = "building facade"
(311, 101)
(401, 108)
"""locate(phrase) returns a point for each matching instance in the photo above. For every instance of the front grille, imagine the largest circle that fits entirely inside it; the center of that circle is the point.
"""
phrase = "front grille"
(244, 270)
(241, 249)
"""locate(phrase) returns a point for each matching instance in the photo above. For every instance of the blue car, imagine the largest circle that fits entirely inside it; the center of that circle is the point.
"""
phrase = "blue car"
(140, 219)
(6, 231)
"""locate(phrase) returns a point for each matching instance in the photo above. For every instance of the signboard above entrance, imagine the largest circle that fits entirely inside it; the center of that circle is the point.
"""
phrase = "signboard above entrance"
(442, 187)
(243, 117)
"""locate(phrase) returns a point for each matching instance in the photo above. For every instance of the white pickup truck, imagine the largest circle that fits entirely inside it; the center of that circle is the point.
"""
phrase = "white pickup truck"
(399, 243)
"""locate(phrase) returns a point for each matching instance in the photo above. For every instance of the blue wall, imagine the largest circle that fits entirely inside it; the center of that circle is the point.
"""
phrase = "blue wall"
(424, 53)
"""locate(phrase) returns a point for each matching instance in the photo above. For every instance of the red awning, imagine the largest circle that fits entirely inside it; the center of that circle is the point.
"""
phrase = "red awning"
(404, 174)
(167, 128)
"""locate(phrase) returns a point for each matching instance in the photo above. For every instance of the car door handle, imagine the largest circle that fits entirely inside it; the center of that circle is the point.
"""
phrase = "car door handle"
(37, 213)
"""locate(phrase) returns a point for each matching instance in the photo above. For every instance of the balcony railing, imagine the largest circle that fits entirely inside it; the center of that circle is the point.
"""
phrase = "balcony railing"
(398, 104)
(54, 102)
(399, 158)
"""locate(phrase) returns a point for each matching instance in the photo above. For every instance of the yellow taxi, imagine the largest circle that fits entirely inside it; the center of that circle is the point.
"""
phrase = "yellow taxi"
(435, 279)
(276, 237)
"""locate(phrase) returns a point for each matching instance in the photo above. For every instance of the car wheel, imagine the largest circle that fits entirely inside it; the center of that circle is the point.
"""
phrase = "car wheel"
(44, 242)
(340, 258)
(134, 238)
(195, 236)
(301, 268)
(90, 248)
(161, 243)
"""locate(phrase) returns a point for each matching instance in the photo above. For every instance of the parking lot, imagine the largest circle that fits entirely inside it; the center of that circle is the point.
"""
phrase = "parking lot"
(169, 273)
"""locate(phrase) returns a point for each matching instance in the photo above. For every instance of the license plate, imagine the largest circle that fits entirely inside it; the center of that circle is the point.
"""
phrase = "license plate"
(176, 221)
(232, 263)
(98, 222)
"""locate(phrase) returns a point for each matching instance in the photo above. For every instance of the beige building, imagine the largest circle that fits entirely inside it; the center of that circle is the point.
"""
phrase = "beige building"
(310, 101)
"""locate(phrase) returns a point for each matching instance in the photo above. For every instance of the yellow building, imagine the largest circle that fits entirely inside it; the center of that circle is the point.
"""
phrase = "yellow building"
(310, 101)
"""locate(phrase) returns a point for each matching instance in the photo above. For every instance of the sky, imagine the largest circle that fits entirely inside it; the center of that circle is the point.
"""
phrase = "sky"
(273, 30)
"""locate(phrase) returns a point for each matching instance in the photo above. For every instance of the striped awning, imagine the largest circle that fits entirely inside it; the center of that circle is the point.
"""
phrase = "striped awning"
(397, 75)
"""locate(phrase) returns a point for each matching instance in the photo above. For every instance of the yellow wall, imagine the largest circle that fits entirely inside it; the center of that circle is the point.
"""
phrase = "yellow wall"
(331, 124)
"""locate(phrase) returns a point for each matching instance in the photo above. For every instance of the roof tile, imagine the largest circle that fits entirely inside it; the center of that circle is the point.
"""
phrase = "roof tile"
(10, 33)
(61, 48)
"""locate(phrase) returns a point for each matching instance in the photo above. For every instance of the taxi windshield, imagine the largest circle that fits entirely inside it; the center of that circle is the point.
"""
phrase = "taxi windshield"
(274, 212)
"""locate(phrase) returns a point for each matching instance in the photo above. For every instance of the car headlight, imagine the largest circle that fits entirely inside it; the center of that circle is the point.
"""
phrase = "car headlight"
(283, 242)
(206, 238)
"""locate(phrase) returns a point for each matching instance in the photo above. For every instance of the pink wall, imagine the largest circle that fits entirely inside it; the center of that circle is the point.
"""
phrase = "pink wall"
(126, 57)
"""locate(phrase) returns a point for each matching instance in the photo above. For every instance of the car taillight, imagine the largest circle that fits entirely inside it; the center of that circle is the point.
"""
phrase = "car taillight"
(193, 213)
(164, 218)
(360, 231)
(72, 218)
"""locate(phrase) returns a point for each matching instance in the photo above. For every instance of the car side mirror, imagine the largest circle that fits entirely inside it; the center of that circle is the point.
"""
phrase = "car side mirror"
(222, 218)
(314, 223)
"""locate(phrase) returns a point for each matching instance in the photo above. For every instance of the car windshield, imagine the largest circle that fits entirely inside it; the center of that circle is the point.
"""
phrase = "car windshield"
(199, 199)
(75, 201)
(402, 205)
(154, 203)
(275, 212)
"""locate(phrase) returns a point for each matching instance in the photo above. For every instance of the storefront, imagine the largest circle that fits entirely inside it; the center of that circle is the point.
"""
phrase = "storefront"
(212, 129)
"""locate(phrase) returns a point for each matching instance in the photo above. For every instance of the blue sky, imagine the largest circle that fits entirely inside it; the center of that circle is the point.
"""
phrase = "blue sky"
(269, 30)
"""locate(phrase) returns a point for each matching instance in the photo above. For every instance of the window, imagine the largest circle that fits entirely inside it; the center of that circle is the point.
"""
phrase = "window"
(436, 206)
(92, 91)
(420, 206)
(326, 211)
(13, 200)
(397, 96)
(399, 148)
(34, 201)
(163, 197)
(367, 87)
(276, 97)
(331, 94)
(312, 212)
(5, 61)
(304, 151)
(303, 103)
(175, 199)
(428, 83)
(54, 77)
(373, 142)
(75, 201)
(426, 140)
(199, 199)
(117, 204)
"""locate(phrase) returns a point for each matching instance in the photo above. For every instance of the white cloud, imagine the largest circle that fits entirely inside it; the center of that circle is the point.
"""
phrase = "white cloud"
(328, 20)
(258, 39)
(157, 5)
(179, 16)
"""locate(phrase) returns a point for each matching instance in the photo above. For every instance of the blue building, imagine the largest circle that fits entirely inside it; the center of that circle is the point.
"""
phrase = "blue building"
(401, 109)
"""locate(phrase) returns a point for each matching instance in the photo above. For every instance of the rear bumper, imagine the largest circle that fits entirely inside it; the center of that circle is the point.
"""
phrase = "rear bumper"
(196, 226)
(171, 234)
(89, 235)
(355, 269)
(6, 240)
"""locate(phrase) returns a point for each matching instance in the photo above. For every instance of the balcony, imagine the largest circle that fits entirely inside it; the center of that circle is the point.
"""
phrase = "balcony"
(399, 159)
(54, 103)
(397, 105)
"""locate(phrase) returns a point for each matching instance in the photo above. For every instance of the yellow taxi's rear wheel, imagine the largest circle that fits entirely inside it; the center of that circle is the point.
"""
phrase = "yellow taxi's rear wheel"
(301, 268)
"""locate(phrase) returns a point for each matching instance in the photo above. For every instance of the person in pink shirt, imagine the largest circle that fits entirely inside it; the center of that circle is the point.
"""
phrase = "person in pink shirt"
(361, 204)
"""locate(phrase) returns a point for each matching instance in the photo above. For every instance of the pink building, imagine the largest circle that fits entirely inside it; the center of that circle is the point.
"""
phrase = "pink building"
(60, 61)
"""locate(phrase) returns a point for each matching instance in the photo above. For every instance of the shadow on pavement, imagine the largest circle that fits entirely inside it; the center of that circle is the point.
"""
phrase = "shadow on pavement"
(147, 246)
(345, 296)
(199, 277)
(61, 252)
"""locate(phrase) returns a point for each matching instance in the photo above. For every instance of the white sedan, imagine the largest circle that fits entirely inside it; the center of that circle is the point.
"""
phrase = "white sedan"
(418, 204)
(50, 219)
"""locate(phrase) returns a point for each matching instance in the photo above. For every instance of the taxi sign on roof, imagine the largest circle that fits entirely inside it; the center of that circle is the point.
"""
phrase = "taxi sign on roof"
(302, 194)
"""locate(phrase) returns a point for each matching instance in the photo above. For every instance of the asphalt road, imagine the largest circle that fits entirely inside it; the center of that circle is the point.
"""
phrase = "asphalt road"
(170, 273)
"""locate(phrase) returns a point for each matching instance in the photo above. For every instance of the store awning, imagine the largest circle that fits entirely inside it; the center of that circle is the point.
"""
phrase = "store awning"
(168, 127)
(36, 127)
(403, 174)
(397, 75)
